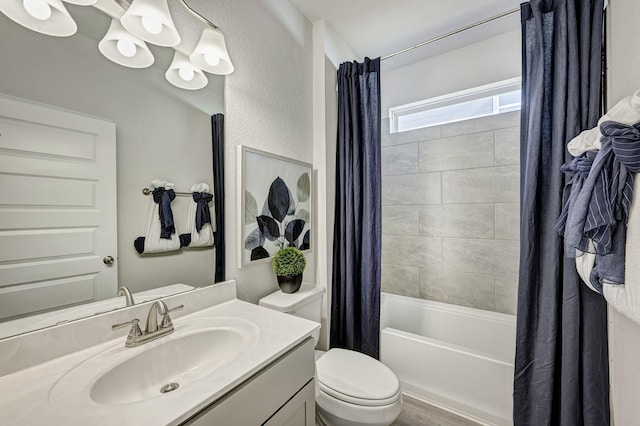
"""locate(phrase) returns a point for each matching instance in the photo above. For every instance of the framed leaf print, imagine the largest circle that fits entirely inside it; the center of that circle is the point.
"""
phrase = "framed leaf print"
(275, 205)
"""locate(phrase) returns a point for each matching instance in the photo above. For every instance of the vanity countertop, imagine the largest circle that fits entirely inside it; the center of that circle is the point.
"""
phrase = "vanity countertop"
(27, 397)
(60, 316)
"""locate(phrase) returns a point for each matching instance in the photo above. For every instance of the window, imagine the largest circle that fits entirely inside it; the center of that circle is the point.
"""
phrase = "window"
(481, 101)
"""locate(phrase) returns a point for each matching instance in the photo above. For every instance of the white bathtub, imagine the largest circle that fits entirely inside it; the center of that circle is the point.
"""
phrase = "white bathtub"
(458, 358)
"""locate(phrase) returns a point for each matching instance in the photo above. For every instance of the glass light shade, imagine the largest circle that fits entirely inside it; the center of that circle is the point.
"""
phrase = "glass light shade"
(151, 21)
(185, 75)
(82, 2)
(123, 48)
(39, 9)
(59, 23)
(210, 47)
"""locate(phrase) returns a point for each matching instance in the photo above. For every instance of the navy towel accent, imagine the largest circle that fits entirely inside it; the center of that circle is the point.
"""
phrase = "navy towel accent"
(594, 217)
(613, 190)
(139, 244)
(164, 198)
(185, 240)
(606, 194)
(203, 214)
(576, 171)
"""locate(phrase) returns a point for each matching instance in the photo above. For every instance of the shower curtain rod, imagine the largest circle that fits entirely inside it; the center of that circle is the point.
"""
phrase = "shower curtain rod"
(449, 34)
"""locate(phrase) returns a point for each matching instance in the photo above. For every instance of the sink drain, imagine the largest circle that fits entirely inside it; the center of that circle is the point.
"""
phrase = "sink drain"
(169, 388)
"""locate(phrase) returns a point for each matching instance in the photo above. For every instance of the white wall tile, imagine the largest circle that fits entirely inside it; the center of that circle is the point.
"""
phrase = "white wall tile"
(423, 188)
(412, 251)
(459, 152)
(457, 220)
(491, 122)
(400, 220)
(402, 280)
(507, 146)
(507, 221)
(506, 294)
(458, 288)
(491, 257)
(499, 184)
(400, 159)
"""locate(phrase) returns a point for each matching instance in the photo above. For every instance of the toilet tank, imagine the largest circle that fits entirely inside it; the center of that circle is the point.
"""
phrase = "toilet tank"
(305, 303)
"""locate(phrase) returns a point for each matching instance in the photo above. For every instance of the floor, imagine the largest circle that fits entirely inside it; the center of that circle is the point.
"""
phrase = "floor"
(418, 413)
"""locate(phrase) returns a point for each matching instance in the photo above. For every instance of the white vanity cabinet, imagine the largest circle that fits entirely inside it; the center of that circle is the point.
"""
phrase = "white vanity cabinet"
(283, 393)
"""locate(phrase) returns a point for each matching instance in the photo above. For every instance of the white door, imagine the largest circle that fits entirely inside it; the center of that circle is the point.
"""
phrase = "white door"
(57, 208)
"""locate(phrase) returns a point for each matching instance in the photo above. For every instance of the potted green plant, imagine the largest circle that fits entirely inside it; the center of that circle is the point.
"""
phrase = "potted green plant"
(288, 265)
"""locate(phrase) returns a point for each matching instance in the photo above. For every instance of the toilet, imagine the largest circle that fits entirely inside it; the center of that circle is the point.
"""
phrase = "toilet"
(352, 389)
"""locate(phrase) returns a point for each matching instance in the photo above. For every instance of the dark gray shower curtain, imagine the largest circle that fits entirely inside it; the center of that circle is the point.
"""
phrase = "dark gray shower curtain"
(561, 365)
(217, 145)
(355, 297)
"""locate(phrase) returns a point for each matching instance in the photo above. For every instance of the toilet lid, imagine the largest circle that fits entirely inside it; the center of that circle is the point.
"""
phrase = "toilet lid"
(356, 378)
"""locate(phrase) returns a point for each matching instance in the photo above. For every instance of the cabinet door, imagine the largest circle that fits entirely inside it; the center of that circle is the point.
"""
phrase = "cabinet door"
(254, 402)
(298, 411)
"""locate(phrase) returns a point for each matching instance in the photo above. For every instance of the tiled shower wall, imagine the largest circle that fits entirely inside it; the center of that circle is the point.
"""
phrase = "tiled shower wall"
(450, 212)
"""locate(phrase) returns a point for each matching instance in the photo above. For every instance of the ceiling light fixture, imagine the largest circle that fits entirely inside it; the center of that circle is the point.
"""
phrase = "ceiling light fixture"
(123, 48)
(44, 16)
(82, 2)
(124, 43)
(182, 73)
(210, 54)
(151, 21)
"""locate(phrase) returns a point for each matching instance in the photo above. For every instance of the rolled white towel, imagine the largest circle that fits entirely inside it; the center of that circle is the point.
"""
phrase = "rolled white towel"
(152, 241)
(627, 111)
(584, 264)
(203, 237)
(626, 298)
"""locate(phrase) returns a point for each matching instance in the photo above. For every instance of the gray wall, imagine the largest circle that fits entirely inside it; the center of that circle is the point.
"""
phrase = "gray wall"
(450, 212)
(494, 59)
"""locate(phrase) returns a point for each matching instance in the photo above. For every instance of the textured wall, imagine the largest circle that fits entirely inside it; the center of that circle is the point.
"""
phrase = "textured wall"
(450, 212)
(268, 105)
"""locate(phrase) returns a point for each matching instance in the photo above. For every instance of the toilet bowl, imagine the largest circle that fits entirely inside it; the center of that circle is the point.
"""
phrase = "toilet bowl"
(352, 389)
(355, 390)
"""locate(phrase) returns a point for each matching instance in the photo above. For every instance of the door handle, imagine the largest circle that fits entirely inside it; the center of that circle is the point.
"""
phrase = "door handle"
(108, 260)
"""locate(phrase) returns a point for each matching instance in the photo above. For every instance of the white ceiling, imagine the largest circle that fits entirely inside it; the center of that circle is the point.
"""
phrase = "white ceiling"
(379, 27)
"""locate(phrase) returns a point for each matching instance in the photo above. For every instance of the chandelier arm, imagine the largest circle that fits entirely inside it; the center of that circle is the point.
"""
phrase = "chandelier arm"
(126, 3)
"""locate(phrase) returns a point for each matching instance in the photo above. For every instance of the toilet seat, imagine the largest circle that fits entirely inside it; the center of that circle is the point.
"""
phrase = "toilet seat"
(357, 379)
(358, 401)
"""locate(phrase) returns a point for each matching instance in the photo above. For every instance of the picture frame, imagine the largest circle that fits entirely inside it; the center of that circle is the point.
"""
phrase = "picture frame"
(275, 205)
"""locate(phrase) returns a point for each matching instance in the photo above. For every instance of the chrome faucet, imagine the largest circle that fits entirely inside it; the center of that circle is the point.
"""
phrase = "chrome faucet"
(124, 291)
(158, 308)
(152, 330)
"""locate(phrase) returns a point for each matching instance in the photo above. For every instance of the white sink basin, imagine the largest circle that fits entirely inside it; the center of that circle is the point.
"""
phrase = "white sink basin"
(156, 369)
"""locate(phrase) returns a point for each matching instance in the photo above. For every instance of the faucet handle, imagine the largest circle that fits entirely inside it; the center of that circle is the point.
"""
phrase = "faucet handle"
(134, 322)
(166, 319)
(134, 334)
(176, 308)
